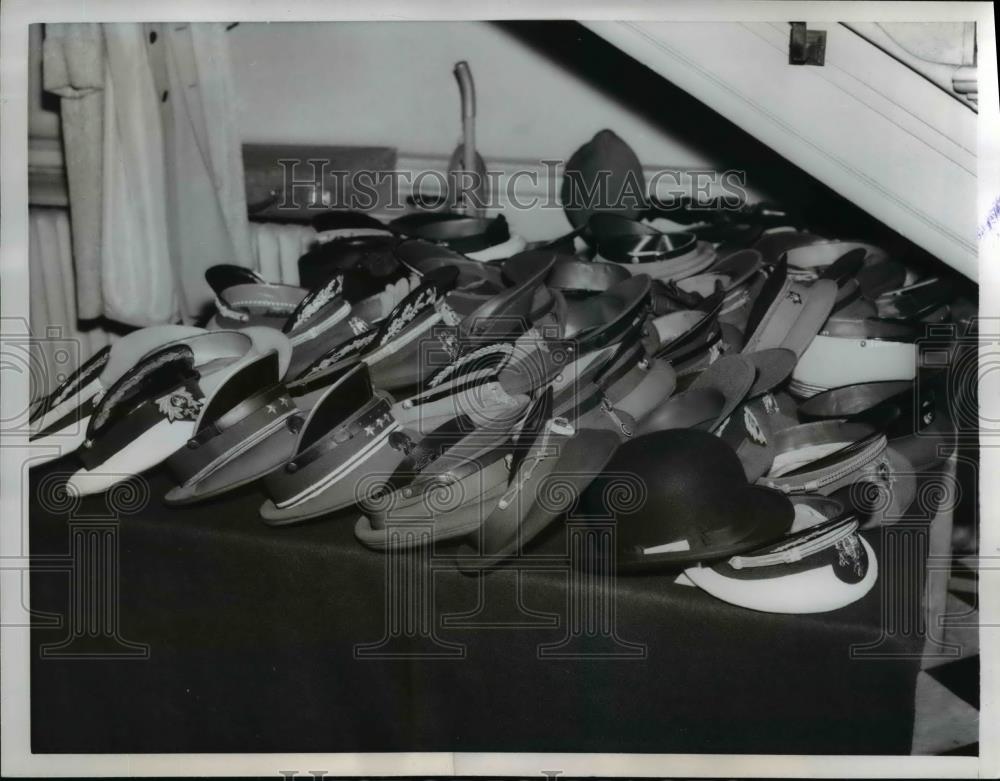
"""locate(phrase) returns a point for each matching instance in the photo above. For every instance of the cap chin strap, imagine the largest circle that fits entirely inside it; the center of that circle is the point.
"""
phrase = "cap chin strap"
(267, 307)
(798, 550)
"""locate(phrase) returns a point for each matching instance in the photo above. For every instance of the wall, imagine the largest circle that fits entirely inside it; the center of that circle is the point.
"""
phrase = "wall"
(543, 89)
(392, 84)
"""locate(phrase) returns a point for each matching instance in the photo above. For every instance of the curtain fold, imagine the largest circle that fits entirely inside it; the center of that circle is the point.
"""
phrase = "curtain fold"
(154, 164)
(63, 342)
(137, 276)
(277, 249)
(206, 193)
(73, 69)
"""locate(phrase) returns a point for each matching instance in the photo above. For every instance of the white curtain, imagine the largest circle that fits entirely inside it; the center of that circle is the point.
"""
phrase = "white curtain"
(64, 342)
(153, 162)
(277, 249)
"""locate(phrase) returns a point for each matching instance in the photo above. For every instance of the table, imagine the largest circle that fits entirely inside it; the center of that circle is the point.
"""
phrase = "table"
(234, 637)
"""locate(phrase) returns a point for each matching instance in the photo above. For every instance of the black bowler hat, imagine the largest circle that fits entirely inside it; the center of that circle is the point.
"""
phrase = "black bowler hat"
(679, 497)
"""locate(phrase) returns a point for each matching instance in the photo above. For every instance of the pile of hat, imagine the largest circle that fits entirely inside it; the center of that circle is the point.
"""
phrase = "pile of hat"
(734, 396)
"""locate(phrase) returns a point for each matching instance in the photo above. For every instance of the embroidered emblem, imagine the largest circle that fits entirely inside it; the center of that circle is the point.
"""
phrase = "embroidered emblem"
(448, 315)
(398, 440)
(449, 341)
(116, 394)
(753, 429)
(927, 411)
(73, 384)
(352, 346)
(410, 311)
(883, 472)
(357, 325)
(503, 351)
(770, 404)
(795, 297)
(317, 300)
(849, 554)
(180, 405)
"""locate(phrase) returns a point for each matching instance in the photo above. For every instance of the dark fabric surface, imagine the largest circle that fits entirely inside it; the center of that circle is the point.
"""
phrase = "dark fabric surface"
(252, 634)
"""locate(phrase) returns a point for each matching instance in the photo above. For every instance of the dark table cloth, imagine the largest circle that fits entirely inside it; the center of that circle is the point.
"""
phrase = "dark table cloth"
(234, 637)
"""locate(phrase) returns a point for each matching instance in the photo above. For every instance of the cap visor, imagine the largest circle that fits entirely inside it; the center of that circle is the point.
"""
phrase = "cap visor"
(261, 459)
(812, 591)
(338, 495)
(151, 448)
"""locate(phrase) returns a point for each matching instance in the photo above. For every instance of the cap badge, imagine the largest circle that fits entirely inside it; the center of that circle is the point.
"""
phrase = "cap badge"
(357, 325)
(753, 428)
(410, 311)
(450, 343)
(448, 315)
(179, 405)
(849, 555)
